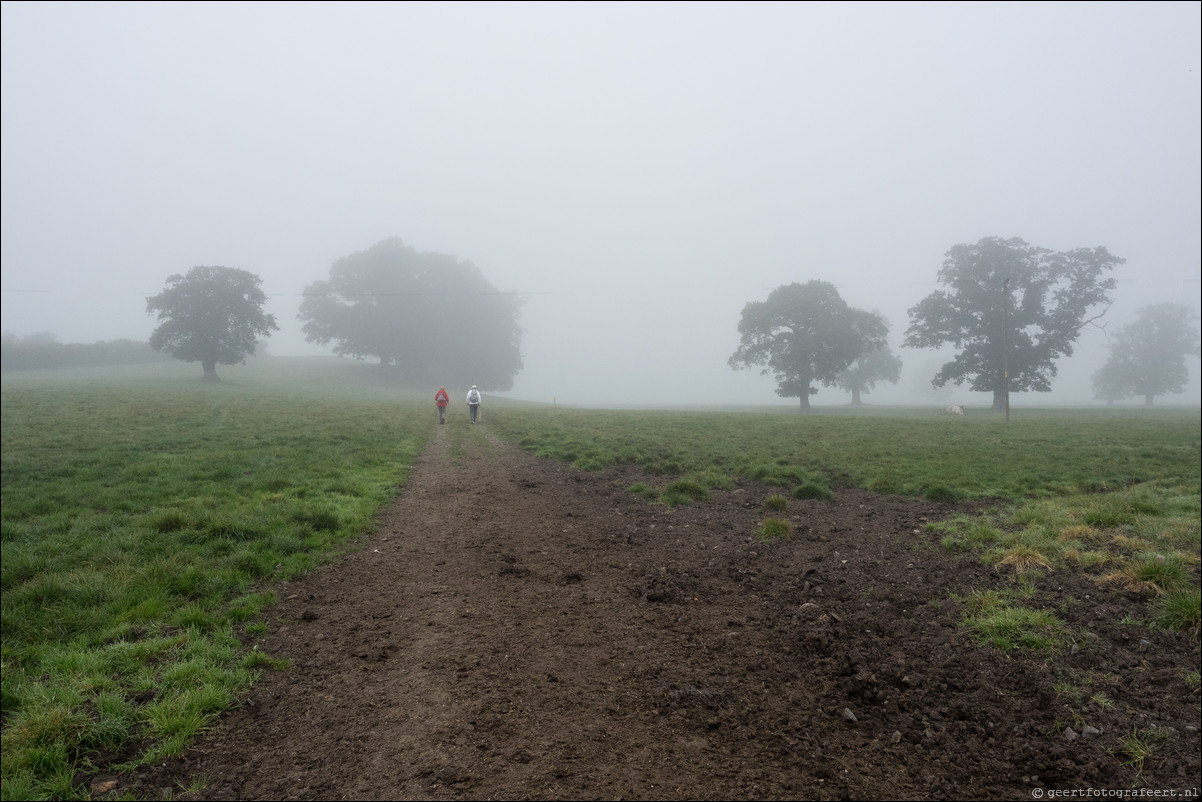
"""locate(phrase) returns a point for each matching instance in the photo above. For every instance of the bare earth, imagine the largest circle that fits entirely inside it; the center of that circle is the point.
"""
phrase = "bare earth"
(516, 629)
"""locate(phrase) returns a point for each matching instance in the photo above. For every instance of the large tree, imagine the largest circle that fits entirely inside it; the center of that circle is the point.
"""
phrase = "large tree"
(1012, 309)
(210, 315)
(1147, 357)
(877, 365)
(802, 334)
(430, 316)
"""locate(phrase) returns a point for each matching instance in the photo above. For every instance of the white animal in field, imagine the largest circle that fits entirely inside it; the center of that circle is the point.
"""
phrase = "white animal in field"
(954, 409)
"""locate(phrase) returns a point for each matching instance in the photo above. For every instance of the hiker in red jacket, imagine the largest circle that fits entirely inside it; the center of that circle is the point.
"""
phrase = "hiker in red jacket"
(441, 399)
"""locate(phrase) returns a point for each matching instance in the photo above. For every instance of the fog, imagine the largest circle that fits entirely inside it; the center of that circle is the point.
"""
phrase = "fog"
(638, 172)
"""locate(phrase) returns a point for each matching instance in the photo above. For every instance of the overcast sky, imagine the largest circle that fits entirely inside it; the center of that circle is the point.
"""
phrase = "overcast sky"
(640, 171)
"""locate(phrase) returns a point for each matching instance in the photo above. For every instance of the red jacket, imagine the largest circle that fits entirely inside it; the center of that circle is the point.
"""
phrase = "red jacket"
(441, 398)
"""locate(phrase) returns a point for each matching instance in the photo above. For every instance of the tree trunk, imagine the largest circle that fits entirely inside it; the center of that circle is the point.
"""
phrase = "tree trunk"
(999, 398)
(855, 397)
(210, 369)
(805, 401)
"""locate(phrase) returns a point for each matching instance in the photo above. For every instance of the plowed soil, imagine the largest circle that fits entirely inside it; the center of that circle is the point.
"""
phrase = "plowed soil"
(517, 629)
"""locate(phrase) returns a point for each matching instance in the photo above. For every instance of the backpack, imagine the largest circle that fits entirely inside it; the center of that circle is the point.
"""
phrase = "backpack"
(474, 397)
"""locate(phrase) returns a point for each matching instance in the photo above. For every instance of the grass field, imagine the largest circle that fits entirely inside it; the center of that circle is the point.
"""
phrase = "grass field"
(143, 518)
(890, 450)
(146, 515)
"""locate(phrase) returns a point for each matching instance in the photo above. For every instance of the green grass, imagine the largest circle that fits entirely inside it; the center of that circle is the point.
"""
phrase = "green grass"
(776, 503)
(683, 492)
(775, 529)
(1144, 537)
(145, 514)
(812, 490)
(645, 490)
(994, 618)
(1046, 454)
(1180, 610)
(1138, 747)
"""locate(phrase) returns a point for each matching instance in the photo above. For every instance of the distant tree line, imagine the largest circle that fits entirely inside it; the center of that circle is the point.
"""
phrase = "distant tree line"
(43, 350)
(426, 317)
(1009, 308)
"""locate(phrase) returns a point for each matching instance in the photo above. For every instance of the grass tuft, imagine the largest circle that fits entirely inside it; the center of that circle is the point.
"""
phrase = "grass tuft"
(1180, 610)
(942, 493)
(775, 529)
(776, 503)
(683, 492)
(813, 490)
(1163, 573)
(1138, 747)
(644, 490)
(991, 618)
(1023, 559)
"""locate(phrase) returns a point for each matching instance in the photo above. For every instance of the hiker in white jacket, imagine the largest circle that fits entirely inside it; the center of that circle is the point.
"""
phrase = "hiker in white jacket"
(473, 402)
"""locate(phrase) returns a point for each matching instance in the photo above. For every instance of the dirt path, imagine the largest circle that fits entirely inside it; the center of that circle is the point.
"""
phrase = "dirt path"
(516, 629)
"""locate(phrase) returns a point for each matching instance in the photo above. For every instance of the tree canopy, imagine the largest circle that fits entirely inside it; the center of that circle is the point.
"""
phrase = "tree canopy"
(1012, 309)
(1147, 357)
(432, 317)
(802, 334)
(211, 315)
(869, 368)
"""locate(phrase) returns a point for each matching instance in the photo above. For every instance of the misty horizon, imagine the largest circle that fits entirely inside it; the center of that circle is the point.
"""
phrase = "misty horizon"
(637, 173)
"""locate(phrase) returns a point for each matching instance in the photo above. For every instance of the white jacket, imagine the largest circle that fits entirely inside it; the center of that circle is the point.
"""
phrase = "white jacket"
(478, 398)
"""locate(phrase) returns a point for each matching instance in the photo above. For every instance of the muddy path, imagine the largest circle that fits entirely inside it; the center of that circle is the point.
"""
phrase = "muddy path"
(516, 629)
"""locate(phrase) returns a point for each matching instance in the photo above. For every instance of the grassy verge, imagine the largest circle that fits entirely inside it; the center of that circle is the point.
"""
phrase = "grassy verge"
(143, 520)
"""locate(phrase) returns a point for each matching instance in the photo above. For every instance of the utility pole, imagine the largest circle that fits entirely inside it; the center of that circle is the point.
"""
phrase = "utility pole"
(1006, 344)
